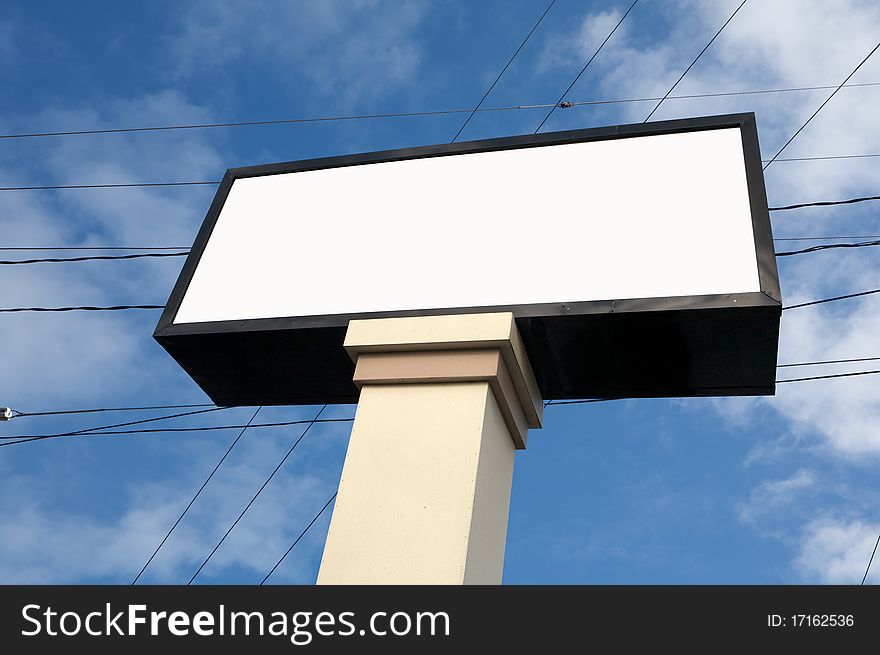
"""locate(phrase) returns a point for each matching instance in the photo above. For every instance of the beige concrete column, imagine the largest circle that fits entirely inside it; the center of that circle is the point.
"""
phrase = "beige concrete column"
(425, 489)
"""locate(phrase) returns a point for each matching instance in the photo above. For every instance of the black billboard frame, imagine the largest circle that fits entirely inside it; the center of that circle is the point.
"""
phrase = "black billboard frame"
(713, 345)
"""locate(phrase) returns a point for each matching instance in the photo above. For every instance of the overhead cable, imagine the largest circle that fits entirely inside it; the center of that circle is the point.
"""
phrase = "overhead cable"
(825, 203)
(203, 428)
(559, 103)
(828, 246)
(193, 499)
(301, 535)
(257, 495)
(415, 114)
(59, 260)
(815, 113)
(834, 299)
(503, 70)
(687, 70)
(84, 308)
(113, 409)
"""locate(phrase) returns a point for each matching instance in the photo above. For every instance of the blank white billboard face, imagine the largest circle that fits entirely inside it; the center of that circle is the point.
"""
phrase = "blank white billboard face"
(642, 217)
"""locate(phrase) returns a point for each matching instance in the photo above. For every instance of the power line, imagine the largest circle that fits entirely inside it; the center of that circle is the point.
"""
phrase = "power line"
(18, 413)
(587, 65)
(121, 409)
(11, 248)
(824, 157)
(580, 402)
(112, 409)
(256, 495)
(86, 308)
(205, 428)
(130, 185)
(503, 70)
(126, 307)
(828, 377)
(687, 70)
(813, 115)
(123, 185)
(301, 535)
(831, 361)
(58, 260)
(438, 112)
(100, 430)
(807, 379)
(860, 236)
(198, 493)
(281, 121)
(870, 561)
(722, 94)
(829, 246)
(87, 431)
(835, 298)
(824, 203)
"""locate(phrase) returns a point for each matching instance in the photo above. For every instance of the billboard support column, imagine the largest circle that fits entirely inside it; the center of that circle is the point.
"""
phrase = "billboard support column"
(425, 490)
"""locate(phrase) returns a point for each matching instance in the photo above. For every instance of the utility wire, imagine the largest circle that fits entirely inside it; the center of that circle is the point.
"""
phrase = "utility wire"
(813, 115)
(205, 428)
(824, 157)
(503, 70)
(281, 121)
(824, 203)
(256, 495)
(829, 246)
(94, 248)
(124, 307)
(123, 185)
(687, 70)
(129, 185)
(807, 379)
(831, 361)
(835, 298)
(870, 561)
(18, 413)
(99, 430)
(58, 260)
(301, 535)
(579, 402)
(87, 308)
(321, 119)
(828, 377)
(587, 65)
(87, 431)
(112, 409)
(193, 500)
(860, 236)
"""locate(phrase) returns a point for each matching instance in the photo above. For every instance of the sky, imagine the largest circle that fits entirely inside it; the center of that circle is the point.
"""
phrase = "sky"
(772, 490)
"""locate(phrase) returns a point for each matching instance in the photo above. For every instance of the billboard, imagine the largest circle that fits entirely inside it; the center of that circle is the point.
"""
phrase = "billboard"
(638, 261)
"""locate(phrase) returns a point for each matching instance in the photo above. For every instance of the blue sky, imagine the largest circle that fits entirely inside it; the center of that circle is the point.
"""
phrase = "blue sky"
(772, 490)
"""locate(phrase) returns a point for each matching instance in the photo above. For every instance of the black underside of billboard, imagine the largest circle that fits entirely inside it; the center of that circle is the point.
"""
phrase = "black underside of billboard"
(713, 345)
(684, 352)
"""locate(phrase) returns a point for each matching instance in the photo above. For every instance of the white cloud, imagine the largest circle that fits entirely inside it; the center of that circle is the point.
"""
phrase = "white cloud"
(53, 361)
(837, 552)
(845, 412)
(88, 356)
(779, 43)
(773, 44)
(774, 495)
(42, 544)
